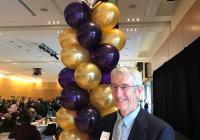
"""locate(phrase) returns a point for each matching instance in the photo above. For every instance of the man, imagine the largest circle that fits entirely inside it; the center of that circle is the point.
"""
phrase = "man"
(131, 122)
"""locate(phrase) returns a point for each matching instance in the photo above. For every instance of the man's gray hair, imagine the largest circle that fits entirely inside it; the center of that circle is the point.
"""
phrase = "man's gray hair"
(137, 76)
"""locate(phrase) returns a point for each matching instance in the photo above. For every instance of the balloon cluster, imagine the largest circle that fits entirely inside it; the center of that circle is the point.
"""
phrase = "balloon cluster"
(90, 50)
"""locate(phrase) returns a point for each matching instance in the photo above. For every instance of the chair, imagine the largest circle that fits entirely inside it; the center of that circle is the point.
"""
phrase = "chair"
(51, 130)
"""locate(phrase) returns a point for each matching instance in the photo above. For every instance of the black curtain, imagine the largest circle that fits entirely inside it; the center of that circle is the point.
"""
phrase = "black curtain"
(176, 91)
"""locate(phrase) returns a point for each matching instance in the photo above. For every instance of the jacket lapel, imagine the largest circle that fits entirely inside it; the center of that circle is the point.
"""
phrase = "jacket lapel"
(138, 129)
(111, 124)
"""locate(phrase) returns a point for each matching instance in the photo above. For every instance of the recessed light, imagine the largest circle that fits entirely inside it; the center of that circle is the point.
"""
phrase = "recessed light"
(133, 19)
(43, 9)
(15, 63)
(54, 22)
(132, 6)
(58, 32)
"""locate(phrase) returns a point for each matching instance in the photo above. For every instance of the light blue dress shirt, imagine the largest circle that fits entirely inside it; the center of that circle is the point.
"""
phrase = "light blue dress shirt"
(127, 125)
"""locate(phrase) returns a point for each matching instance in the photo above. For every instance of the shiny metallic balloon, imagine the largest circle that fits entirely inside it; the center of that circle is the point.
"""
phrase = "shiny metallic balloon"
(105, 57)
(66, 77)
(106, 15)
(108, 111)
(75, 98)
(89, 35)
(87, 75)
(76, 14)
(73, 134)
(65, 118)
(101, 97)
(114, 37)
(74, 55)
(86, 119)
(68, 38)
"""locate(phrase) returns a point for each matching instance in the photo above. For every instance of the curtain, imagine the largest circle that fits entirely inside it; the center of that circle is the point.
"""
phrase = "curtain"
(176, 91)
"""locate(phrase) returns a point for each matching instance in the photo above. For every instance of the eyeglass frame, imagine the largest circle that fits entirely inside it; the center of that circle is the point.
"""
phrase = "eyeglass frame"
(122, 87)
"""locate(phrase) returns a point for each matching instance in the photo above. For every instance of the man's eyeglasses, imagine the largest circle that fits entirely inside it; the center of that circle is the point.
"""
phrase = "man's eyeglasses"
(122, 87)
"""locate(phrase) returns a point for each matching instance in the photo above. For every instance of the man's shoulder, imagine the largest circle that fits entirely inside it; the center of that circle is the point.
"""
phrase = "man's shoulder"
(109, 117)
(155, 121)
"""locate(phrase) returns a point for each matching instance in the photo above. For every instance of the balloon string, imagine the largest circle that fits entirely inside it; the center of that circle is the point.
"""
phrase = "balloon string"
(96, 4)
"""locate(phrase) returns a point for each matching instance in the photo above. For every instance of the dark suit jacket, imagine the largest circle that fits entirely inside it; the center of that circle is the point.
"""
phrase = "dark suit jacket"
(145, 127)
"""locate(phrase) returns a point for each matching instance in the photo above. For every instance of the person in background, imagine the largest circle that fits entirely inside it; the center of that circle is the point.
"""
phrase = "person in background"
(146, 106)
(25, 131)
(130, 122)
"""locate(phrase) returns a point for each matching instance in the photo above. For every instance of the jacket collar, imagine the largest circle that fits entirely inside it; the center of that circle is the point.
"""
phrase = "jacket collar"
(140, 124)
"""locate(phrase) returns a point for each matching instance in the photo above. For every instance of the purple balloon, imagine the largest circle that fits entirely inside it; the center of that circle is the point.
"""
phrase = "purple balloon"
(75, 98)
(66, 77)
(105, 78)
(105, 57)
(89, 35)
(86, 119)
(76, 14)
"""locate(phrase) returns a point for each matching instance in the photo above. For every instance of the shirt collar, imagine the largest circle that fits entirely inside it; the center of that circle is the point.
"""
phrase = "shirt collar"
(130, 118)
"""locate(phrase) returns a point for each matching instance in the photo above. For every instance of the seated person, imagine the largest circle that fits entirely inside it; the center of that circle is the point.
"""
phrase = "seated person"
(33, 114)
(25, 131)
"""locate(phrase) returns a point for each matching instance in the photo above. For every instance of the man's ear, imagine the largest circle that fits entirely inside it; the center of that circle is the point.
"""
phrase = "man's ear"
(140, 90)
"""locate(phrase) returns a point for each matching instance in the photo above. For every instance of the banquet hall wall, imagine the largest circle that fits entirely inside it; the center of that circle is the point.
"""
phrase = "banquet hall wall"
(185, 32)
(45, 90)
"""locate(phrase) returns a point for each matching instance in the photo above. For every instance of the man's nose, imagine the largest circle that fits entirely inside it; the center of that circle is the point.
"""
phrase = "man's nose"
(119, 92)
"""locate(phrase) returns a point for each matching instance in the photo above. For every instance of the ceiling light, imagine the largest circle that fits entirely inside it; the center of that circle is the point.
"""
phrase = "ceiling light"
(0, 34)
(58, 32)
(54, 22)
(2, 71)
(135, 29)
(132, 6)
(43, 9)
(15, 63)
(132, 19)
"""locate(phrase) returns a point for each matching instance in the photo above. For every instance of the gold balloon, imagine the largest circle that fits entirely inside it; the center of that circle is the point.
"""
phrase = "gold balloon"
(106, 15)
(74, 55)
(114, 37)
(65, 118)
(101, 97)
(73, 134)
(108, 111)
(87, 75)
(68, 38)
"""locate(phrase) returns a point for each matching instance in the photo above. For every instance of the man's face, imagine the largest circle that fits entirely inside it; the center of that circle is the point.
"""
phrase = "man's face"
(125, 98)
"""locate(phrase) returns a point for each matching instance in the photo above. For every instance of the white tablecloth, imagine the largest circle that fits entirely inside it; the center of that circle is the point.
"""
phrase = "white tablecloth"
(4, 136)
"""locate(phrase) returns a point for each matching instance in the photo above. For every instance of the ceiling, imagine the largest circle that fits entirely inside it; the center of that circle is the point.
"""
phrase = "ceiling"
(24, 25)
